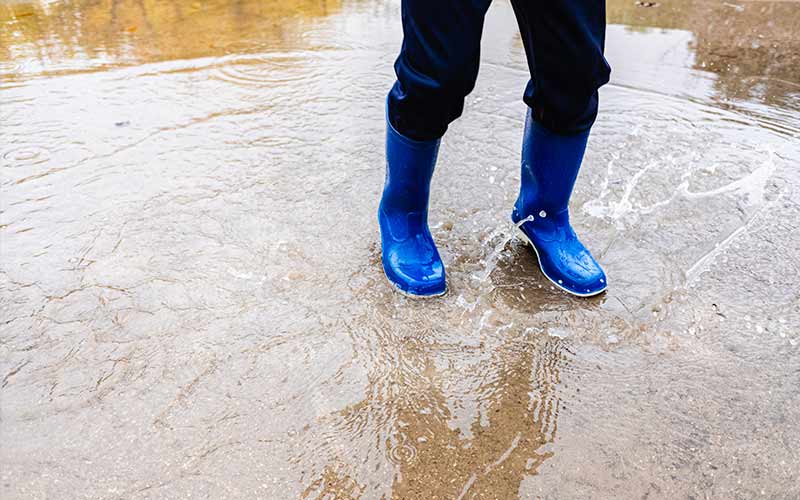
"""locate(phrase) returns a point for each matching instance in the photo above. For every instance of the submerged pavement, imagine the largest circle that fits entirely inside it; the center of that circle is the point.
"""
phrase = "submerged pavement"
(192, 300)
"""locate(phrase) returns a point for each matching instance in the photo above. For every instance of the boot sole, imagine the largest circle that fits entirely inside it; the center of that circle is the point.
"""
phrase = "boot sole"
(413, 295)
(551, 280)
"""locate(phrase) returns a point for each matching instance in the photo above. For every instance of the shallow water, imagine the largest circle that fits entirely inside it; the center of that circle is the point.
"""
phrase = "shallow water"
(192, 300)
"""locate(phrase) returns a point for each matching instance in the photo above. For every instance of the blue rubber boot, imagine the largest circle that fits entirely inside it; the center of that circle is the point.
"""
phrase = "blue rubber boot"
(410, 258)
(550, 165)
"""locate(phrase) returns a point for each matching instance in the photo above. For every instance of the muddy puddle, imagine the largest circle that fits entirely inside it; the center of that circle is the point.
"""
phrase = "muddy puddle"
(192, 301)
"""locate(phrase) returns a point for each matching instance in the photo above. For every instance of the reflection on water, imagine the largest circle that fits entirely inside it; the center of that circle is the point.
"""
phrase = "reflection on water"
(192, 298)
(509, 423)
(752, 46)
(75, 35)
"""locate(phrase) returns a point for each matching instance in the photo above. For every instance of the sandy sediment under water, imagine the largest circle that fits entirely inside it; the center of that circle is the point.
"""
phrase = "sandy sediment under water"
(192, 299)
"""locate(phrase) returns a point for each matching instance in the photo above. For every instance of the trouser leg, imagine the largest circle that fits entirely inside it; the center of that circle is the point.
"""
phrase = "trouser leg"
(564, 42)
(437, 66)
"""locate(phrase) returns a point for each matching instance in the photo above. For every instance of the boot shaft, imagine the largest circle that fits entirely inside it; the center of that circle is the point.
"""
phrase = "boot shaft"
(550, 166)
(409, 169)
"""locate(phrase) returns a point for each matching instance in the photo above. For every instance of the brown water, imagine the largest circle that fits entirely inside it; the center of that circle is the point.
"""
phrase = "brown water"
(193, 304)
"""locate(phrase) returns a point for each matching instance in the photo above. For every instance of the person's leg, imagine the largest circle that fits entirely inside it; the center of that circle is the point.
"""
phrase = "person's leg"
(436, 69)
(564, 44)
(437, 65)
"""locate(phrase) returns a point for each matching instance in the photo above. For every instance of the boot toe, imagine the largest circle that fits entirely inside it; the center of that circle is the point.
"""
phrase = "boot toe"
(415, 278)
(566, 262)
(575, 271)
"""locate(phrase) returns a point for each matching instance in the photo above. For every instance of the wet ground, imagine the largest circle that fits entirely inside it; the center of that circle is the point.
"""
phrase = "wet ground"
(193, 304)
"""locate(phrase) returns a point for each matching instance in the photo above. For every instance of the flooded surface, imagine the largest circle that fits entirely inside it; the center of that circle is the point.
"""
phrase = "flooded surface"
(193, 304)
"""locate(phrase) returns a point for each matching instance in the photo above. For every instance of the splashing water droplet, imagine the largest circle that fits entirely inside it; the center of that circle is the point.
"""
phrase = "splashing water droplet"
(542, 214)
(529, 218)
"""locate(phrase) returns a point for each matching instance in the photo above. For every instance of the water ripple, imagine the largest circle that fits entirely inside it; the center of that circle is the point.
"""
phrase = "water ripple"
(25, 156)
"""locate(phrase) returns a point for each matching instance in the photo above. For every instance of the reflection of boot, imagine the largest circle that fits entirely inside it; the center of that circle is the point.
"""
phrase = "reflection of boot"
(410, 258)
(550, 164)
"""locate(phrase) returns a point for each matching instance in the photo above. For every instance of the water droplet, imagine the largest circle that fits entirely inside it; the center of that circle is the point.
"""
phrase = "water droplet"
(529, 218)
(542, 214)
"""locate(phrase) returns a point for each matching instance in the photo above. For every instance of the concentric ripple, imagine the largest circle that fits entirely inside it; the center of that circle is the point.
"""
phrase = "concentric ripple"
(25, 156)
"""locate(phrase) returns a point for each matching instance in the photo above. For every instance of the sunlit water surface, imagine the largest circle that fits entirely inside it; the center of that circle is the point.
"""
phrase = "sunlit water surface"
(193, 303)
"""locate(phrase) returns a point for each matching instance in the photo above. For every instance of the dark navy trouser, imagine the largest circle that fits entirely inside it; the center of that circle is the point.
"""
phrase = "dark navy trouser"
(438, 63)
